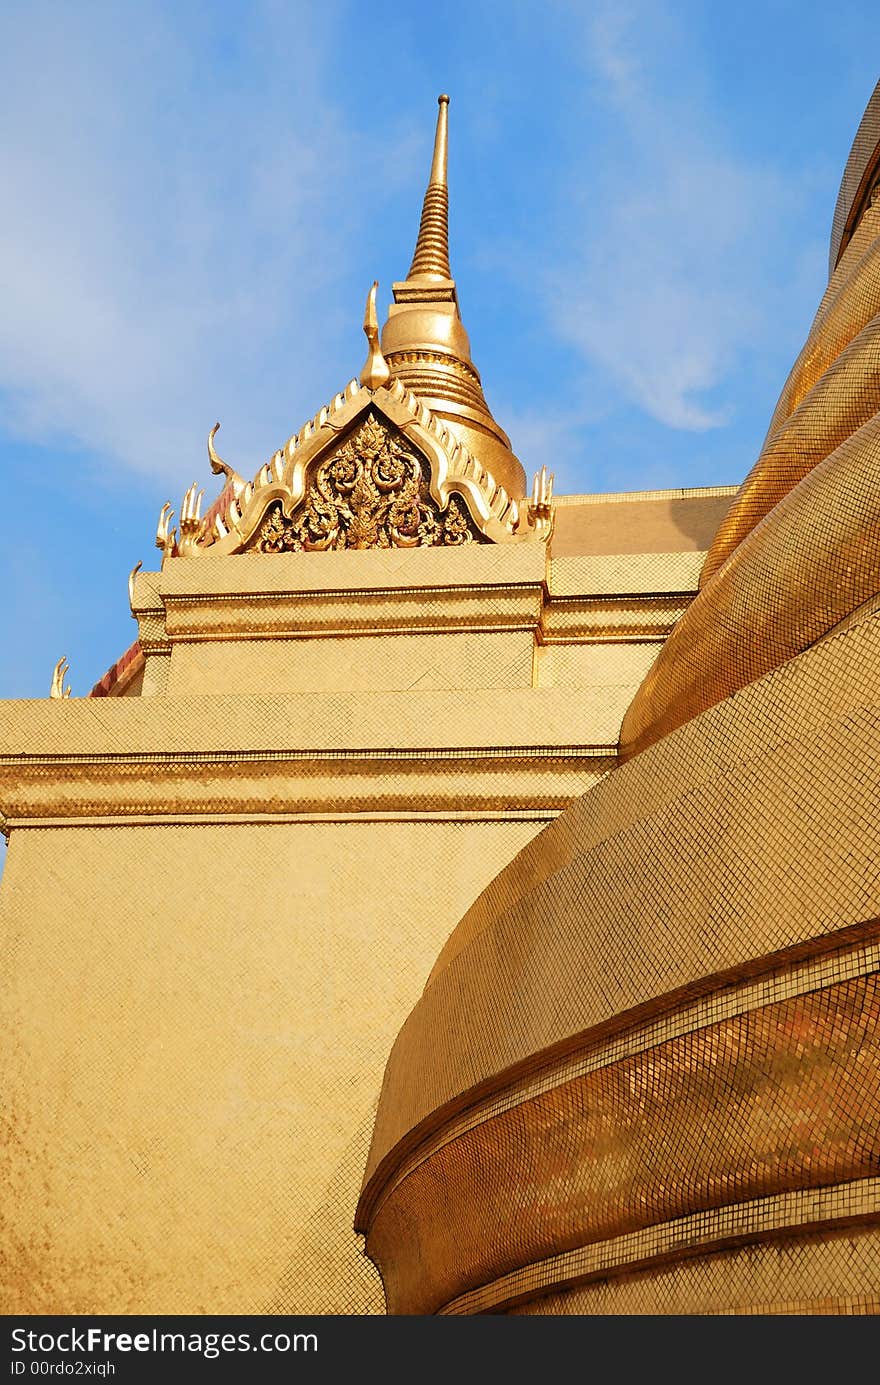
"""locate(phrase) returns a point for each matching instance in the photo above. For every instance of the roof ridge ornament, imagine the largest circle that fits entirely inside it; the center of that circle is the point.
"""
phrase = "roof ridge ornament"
(221, 468)
(541, 511)
(59, 688)
(376, 371)
(131, 576)
(166, 535)
(452, 474)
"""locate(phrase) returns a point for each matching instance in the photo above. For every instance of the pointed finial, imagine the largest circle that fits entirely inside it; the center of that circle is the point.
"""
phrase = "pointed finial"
(131, 576)
(431, 258)
(221, 468)
(441, 142)
(541, 511)
(375, 371)
(426, 345)
(58, 688)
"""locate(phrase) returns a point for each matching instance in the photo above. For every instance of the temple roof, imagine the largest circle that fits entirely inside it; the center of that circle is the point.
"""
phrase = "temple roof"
(418, 378)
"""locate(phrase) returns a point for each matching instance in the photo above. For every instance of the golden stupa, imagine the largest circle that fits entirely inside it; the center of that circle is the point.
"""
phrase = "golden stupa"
(576, 796)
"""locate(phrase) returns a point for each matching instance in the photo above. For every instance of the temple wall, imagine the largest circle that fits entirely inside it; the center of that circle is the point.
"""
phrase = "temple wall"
(223, 896)
(194, 1026)
(458, 661)
(215, 914)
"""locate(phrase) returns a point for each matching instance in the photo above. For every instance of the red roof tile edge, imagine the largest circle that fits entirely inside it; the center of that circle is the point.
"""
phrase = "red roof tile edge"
(104, 687)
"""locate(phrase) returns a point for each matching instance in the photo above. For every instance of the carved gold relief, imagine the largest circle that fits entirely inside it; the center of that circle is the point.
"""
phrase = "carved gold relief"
(373, 491)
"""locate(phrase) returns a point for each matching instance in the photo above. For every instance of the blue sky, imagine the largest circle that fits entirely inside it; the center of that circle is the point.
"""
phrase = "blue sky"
(196, 197)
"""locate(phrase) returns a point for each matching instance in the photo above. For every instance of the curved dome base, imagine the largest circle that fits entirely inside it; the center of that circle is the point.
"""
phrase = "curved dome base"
(655, 1040)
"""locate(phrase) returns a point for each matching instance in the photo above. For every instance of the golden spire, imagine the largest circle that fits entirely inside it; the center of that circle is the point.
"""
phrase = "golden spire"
(431, 258)
(424, 341)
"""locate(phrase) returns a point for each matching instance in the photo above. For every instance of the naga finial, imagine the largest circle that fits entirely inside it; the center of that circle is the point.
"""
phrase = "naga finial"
(375, 371)
(131, 576)
(221, 468)
(58, 688)
(166, 537)
(541, 504)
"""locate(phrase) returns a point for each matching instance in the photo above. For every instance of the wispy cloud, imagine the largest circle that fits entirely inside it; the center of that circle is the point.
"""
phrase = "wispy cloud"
(650, 296)
(172, 241)
(546, 437)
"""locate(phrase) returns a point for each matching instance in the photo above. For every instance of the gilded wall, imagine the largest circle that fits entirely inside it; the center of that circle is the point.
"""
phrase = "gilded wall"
(228, 880)
(577, 796)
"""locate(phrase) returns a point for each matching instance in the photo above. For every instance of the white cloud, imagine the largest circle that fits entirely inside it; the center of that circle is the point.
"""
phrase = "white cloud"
(158, 223)
(676, 222)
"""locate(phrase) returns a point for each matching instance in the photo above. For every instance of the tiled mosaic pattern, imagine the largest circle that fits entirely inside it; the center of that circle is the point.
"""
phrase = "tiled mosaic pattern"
(327, 1270)
(620, 1049)
(842, 1270)
(219, 1005)
(778, 1099)
(461, 662)
(753, 830)
(790, 979)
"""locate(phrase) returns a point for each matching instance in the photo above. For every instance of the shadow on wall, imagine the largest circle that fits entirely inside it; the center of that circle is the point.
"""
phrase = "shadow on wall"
(676, 523)
(328, 1271)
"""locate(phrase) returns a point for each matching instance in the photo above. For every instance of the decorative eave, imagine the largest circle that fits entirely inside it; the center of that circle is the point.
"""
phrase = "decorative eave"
(232, 522)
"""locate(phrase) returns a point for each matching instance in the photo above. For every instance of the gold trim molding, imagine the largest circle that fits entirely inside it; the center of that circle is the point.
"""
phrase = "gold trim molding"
(818, 968)
(782, 1215)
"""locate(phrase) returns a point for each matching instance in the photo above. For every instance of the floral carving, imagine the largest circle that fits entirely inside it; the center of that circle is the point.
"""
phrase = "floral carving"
(371, 492)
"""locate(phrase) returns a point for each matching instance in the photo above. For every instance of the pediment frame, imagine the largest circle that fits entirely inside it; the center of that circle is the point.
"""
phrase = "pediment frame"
(450, 471)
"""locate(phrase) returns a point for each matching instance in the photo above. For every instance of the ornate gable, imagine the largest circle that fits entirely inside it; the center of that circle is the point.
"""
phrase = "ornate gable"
(375, 469)
(371, 489)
